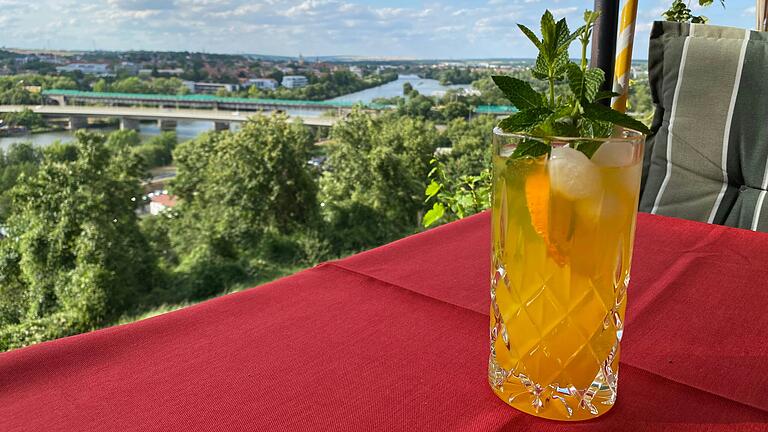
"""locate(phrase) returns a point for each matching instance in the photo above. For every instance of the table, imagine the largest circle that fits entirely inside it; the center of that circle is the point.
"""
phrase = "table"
(396, 338)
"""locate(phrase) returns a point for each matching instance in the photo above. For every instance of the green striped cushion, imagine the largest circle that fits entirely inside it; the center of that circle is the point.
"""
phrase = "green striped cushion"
(707, 158)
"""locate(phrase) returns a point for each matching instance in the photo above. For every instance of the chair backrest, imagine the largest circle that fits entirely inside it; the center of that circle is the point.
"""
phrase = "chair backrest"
(706, 159)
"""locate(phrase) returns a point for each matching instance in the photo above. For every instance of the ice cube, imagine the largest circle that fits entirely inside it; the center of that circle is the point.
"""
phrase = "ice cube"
(573, 175)
(607, 207)
(614, 154)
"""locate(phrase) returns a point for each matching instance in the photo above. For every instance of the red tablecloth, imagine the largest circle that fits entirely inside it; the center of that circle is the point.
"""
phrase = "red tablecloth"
(397, 339)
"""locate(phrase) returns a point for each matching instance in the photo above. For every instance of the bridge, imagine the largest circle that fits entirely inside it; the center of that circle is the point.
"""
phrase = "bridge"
(167, 118)
(199, 101)
(131, 108)
(76, 97)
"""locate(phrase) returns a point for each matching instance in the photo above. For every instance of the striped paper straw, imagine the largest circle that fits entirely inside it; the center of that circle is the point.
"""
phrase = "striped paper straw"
(624, 55)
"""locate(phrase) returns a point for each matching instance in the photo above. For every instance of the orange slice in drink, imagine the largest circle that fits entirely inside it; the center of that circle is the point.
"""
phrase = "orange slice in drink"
(537, 195)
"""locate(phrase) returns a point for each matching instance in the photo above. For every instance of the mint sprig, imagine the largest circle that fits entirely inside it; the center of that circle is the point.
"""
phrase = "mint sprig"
(578, 114)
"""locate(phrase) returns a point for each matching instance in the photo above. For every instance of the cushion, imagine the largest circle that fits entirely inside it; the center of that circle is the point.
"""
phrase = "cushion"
(707, 155)
(748, 211)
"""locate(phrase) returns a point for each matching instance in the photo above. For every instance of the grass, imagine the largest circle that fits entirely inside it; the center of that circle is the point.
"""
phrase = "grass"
(158, 303)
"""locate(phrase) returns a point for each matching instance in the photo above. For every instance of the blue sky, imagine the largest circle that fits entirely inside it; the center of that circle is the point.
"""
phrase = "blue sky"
(395, 28)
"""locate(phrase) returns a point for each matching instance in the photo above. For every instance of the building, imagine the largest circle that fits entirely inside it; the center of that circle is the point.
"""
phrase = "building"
(357, 71)
(210, 88)
(262, 83)
(294, 81)
(160, 201)
(127, 68)
(170, 72)
(86, 68)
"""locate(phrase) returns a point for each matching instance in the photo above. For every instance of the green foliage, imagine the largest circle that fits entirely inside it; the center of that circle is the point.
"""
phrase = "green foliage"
(519, 92)
(17, 89)
(329, 86)
(601, 113)
(371, 192)
(21, 159)
(453, 75)
(150, 85)
(680, 11)
(525, 120)
(416, 105)
(73, 251)
(454, 197)
(578, 114)
(584, 83)
(158, 151)
(235, 186)
(25, 117)
(454, 109)
(407, 89)
(470, 143)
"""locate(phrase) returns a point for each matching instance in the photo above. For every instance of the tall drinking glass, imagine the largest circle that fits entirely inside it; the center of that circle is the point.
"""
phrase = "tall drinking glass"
(563, 228)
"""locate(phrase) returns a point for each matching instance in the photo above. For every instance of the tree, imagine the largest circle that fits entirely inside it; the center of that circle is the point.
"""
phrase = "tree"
(470, 142)
(453, 110)
(407, 89)
(235, 186)
(416, 105)
(373, 189)
(158, 151)
(21, 159)
(130, 85)
(25, 117)
(101, 86)
(74, 254)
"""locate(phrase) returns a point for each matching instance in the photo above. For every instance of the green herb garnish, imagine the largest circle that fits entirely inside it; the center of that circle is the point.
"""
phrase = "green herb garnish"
(576, 114)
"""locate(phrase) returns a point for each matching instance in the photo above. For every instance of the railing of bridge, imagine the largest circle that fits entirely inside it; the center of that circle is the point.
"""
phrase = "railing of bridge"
(211, 99)
(205, 98)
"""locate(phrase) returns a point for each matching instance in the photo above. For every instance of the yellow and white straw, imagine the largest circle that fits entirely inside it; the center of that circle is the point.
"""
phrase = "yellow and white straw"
(624, 55)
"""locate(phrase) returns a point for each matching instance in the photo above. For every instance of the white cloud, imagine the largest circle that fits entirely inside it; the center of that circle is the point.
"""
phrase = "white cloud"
(564, 11)
(427, 28)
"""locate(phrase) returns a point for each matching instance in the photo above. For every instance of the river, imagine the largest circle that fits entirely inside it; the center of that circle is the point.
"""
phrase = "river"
(427, 87)
(185, 130)
(190, 129)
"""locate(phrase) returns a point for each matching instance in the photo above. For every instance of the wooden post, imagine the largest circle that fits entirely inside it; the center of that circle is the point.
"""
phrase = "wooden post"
(604, 40)
(762, 15)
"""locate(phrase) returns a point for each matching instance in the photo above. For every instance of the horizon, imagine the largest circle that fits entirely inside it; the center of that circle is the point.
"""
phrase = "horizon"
(392, 30)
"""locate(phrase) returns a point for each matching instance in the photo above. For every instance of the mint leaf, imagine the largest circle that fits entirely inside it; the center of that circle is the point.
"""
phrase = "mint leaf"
(599, 112)
(559, 123)
(519, 92)
(563, 35)
(560, 65)
(594, 128)
(530, 148)
(548, 31)
(584, 84)
(588, 147)
(540, 68)
(605, 94)
(433, 215)
(524, 120)
(531, 35)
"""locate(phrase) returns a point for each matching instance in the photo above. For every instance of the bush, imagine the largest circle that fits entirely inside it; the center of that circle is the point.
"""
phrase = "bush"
(74, 255)
(204, 272)
(53, 326)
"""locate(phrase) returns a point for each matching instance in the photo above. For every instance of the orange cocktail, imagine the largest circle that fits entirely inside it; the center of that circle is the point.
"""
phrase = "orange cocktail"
(563, 227)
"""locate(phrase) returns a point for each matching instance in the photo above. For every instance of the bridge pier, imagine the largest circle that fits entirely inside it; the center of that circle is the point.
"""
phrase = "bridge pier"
(129, 124)
(167, 125)
(220, 126)
(77, 122)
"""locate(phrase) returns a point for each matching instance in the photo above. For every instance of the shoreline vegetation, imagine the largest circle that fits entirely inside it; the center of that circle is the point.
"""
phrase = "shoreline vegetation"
(254, 204)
